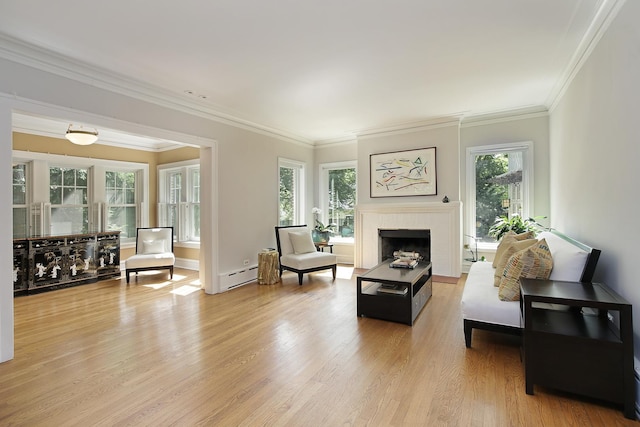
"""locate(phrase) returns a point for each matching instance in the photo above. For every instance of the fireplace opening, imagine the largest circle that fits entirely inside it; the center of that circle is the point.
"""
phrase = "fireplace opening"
(406, 240)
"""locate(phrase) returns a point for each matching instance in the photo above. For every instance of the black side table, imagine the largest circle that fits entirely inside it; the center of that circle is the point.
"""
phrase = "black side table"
(575, 346)
(320, 247)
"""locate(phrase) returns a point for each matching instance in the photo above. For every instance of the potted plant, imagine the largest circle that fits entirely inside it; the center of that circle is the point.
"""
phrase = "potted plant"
(516, 224)
(321, 232)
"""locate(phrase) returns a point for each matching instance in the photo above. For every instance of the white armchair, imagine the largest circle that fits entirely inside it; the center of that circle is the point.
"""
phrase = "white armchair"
(154, 251)
(298, 253)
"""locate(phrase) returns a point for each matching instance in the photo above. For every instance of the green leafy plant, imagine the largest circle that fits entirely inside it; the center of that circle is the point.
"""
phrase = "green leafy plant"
(516, 223)
(319, 226)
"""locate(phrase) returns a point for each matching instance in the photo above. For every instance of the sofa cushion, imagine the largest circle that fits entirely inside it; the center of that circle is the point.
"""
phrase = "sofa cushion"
(534, 262)
(302, 242)
(509, 248)
(510, 236)
(568, 259)
(480, 300)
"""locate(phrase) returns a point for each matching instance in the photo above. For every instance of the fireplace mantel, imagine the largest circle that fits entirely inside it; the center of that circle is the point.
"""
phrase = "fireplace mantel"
(443, 219)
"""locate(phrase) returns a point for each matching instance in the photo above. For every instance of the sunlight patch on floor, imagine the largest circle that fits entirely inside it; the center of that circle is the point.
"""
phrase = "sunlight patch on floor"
(343, 272)
(157, 285)
(185, 290)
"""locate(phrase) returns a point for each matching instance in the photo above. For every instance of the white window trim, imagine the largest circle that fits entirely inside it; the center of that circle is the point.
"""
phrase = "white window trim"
(323, 190)
(96, 190)
(183, 166)
(299, 196)
(527, 176)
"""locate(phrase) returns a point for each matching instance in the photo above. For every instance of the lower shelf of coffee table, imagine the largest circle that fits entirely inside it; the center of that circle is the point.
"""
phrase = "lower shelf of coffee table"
(396, 308)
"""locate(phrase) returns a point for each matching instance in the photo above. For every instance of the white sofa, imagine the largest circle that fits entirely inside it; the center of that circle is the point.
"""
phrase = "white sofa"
(481, 307)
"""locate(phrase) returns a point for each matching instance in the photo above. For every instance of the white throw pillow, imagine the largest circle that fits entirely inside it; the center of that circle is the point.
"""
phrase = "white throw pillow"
(302, 242)
(153, 246)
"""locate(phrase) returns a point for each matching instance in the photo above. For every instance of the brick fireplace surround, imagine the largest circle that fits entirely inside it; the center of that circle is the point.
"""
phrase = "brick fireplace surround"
(443, 219)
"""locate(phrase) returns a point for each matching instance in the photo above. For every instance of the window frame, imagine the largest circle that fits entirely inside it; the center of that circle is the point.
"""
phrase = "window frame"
(323, 192)
(136, 196)
(526, 147)
(184, 230)
(27, 197)
(39, 203)
(64, 206)
(299, 189)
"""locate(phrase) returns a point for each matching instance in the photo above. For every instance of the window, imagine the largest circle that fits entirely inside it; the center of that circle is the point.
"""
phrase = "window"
(121, 206)
(68, 195)
(499, 183)
(179, 196)
(291, 195)
(20, 201)
(59, 195)
(194, 212)
(338, 198)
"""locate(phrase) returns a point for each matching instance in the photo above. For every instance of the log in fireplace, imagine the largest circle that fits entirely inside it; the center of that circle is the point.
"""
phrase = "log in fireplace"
(407, 240)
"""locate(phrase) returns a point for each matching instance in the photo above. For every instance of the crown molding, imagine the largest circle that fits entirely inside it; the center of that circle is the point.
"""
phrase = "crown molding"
(505, 116)
(42, 59)
(432, 123)
(607, 12)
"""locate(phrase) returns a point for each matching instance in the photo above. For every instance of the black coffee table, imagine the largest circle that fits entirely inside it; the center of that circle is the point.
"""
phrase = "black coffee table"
(395, 294)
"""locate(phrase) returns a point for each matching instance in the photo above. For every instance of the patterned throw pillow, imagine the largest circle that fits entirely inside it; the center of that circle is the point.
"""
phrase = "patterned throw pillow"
(535, 262)
(510, 248)
(509, 237)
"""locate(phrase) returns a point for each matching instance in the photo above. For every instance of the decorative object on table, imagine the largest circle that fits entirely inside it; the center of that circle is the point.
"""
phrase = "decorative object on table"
(474, 255)
(321, 233)
(403, 259)
(445, 199)
(403, 173)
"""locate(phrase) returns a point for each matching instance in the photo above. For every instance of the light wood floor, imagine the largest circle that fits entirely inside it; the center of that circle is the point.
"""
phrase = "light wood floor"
(163, 353)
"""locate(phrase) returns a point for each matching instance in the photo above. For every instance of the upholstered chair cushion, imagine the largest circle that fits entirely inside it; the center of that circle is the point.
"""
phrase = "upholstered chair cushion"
(302, 242)
(153, 246)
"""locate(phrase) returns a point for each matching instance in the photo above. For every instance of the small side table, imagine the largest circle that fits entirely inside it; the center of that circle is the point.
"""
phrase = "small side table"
(578, 349)
(320, 246)
(268, 267)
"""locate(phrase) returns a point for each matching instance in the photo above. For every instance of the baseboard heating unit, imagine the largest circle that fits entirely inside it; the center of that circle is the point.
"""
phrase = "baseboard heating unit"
(237, 278)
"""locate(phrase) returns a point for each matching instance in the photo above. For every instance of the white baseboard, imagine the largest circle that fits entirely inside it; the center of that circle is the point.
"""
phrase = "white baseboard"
(188, 264)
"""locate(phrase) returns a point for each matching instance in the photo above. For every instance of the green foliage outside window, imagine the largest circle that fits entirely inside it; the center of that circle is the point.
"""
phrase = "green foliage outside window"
(286, 196)
(489, 195)
(342, 200)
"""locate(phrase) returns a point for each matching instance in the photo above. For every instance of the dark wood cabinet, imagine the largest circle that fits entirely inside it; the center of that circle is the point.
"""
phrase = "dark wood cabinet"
(571, 341)
(58, 261)
(376, 299)
(20, 265)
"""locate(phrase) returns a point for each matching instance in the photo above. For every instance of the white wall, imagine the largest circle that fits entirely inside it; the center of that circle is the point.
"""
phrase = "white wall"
(594, 153)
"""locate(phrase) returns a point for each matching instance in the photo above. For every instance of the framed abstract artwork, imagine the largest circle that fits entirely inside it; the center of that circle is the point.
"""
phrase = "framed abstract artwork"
(403, 173)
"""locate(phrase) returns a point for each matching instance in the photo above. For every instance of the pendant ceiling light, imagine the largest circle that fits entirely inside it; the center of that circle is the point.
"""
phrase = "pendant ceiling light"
(81, 136)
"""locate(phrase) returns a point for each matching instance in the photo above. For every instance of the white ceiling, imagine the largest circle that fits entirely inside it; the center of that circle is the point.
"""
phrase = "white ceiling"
(324, 70)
